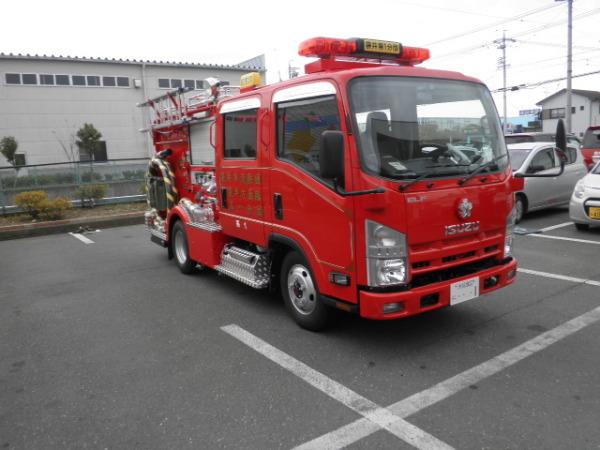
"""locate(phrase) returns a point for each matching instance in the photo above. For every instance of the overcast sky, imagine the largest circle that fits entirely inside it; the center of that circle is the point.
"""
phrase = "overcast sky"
(460, 34)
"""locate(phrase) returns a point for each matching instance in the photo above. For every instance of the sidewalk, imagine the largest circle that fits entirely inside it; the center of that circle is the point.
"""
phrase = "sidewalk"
(69, 225)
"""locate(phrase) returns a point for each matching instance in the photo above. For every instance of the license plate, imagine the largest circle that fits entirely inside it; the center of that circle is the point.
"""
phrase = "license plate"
(595, 213)
(461, 291)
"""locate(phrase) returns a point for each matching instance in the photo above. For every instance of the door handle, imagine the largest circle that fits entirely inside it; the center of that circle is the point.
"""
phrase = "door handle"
(278, 206)
(224, 197)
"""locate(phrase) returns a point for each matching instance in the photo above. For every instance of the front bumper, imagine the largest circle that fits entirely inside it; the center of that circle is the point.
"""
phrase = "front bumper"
(577, 211)
(433, 296)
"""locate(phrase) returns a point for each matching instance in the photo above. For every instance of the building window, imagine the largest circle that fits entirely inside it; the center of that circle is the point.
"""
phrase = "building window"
(199, 85)
(20, 159)
(78, 80)
(13, 78)
(300, 125)
(163, 83)
(29, 78)
(557, 113)
(573, 109)
(175, 83)
(240, 134)
(109, 81)
(581, 108)
(97, 155)
(189, 83)
(93, 80)
(62, 80)
(123, 81)
(47, 80)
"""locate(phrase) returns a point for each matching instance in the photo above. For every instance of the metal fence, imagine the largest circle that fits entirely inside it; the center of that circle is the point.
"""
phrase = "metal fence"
(122, 177)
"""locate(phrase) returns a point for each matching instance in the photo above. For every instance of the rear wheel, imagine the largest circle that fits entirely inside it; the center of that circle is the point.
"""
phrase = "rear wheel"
(520, 208)
(301, 294)
(582, 226)
(181, 250)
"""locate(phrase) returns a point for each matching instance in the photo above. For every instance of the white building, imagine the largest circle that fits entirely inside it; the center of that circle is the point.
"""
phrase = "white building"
(44, 100)
(585, 110)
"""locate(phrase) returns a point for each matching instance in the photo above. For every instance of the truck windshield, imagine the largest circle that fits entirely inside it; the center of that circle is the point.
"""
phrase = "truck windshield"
(423, 127)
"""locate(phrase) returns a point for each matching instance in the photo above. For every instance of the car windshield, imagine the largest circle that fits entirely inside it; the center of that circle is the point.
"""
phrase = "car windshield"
(592, 138)
(517, 157)
(412, 127)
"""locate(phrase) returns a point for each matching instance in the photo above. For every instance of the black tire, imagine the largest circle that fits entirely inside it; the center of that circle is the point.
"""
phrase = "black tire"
(301, 294)
(582, 226)
(179, 245)
(520, 208)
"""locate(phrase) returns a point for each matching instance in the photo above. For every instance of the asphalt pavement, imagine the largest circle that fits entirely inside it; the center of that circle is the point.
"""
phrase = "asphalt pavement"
(105, 344)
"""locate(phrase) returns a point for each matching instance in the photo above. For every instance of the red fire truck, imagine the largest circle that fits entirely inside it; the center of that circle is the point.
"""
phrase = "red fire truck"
(369, 184)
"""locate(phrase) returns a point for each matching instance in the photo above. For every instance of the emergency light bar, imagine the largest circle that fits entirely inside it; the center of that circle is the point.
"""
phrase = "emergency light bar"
(329, 48)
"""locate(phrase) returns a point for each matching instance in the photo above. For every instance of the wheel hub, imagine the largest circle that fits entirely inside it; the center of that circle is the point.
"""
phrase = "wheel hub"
(301, 289)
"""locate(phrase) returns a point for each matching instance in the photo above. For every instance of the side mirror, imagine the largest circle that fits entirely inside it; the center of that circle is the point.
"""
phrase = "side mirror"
(331, 155)
(561, 136)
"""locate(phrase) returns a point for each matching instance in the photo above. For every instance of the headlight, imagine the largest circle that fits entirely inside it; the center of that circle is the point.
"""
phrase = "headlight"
(387, 256)
(508, 236)
(579, 189)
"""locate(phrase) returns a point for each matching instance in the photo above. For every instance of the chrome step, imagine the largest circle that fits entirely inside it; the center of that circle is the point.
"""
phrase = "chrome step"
(248, 267)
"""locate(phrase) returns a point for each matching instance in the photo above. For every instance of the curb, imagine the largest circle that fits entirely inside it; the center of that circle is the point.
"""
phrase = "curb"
(65, 226)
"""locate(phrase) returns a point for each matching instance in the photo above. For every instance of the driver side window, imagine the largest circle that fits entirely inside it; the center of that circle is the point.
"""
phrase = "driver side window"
(299, 128)
(543, 160)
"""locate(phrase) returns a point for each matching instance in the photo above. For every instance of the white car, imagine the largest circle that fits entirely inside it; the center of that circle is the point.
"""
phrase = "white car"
(584, 208)
(541, 158)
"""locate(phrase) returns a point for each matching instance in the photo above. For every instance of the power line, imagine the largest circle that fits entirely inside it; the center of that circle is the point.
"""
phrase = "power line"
(540, 83)
(495, 24)
(523, 33)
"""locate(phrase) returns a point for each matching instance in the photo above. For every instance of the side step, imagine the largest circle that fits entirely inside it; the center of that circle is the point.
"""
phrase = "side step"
(248, 267)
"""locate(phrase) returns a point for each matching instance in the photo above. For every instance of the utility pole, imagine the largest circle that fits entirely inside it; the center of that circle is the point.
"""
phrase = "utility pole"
(502, 61)
(569, 64)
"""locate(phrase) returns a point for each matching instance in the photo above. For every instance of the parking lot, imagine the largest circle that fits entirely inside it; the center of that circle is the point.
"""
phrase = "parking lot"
(104, 344)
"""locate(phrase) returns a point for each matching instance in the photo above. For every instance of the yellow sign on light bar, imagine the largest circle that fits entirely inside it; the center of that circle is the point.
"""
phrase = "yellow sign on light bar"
(377, 46)
(250, 80)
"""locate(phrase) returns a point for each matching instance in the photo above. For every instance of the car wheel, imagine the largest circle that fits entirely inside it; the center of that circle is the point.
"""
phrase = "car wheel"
(582, 226)
(180, 249)
(301, 293)
(520, 208)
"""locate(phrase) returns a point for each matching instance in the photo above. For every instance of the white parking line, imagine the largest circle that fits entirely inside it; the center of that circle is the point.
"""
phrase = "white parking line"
(559, 277)
(373, 414)
(82, 238)
(554, 227)
(362, 428)
(585, 241)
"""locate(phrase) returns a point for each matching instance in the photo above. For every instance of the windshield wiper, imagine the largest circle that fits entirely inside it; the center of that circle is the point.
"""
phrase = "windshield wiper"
(428, 174)
(482, 167)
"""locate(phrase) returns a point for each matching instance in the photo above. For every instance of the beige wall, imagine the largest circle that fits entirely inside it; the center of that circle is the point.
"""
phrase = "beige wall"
(40, 116)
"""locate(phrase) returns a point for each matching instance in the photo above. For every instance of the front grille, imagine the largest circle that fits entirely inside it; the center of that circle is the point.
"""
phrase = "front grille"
(587, 206)
(447, 259)
(454, 272)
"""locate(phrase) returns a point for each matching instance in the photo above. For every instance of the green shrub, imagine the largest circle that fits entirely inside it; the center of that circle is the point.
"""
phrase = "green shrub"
(54, 209)
(89, 194)
(31, 202)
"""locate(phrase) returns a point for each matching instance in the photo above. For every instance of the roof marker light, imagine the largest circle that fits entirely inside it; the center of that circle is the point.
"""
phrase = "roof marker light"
(372, 49)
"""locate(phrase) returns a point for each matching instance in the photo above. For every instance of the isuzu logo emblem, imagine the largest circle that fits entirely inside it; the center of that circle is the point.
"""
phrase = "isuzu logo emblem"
(465, 207)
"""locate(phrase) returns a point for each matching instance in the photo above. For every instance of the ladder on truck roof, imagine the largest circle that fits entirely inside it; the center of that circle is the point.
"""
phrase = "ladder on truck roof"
(174, 107)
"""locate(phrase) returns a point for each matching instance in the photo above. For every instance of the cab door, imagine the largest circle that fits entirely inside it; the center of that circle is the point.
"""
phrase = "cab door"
(305, 207)
(240, 171)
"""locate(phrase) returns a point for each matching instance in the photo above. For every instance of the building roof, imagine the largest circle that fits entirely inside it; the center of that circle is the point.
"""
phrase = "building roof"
(257, 63)
(592, 95)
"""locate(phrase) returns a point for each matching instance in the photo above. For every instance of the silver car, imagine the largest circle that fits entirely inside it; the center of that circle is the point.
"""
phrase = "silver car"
(584, 208)
(542, 158)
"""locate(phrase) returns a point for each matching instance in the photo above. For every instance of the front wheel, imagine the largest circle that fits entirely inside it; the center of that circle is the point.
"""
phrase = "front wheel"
(582, 226)
(301, 294)
(181, 250)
